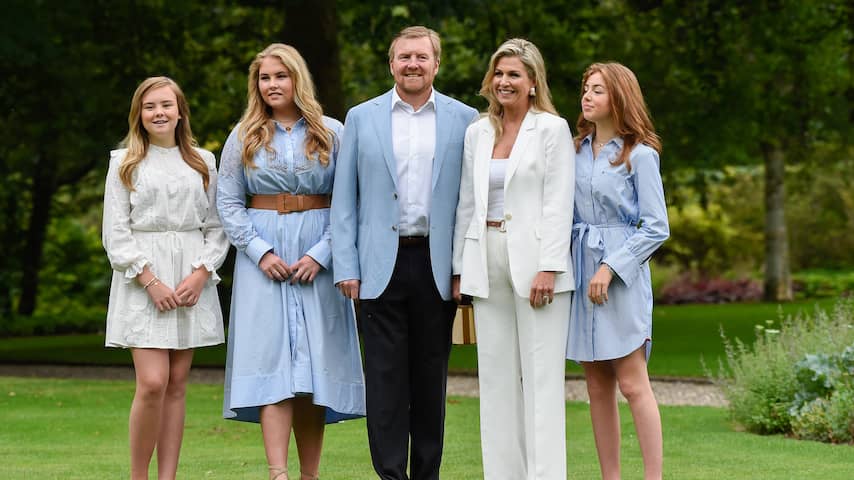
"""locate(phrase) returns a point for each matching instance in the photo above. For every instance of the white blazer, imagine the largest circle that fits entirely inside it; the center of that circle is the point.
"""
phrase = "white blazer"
(539, 187)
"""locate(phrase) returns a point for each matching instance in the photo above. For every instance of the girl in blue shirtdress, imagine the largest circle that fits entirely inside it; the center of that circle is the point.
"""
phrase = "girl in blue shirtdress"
(620, 219)
(293, 355)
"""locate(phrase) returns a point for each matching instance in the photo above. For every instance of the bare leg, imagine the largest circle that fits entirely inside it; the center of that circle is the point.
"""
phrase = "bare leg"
(309, 423)
(602, 390)
(634, 385)
(152, 376)
(276, 423)
(172, 416)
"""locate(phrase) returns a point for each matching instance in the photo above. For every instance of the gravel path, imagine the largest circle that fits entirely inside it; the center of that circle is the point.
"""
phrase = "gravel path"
(667, 391)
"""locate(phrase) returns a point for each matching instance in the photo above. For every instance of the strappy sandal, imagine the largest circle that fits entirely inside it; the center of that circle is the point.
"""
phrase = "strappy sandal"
(305, 476)
(276, 472)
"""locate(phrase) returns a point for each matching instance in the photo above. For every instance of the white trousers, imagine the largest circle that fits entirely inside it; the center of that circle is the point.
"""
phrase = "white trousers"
(521, 361)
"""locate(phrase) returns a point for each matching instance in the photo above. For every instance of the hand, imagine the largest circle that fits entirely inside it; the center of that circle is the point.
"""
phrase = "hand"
(162, 296)
(190, 288)
(542, 289)
(304, 270)
(597, 292)
(349, 288)
(455, 289)
(274, 267)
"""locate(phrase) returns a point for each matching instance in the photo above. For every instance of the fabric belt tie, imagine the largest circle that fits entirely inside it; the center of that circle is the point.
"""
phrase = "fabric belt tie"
(287, 203)
(595, 242)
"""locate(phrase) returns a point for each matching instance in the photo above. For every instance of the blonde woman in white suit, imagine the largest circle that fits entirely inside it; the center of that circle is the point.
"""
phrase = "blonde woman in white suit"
(511, 254)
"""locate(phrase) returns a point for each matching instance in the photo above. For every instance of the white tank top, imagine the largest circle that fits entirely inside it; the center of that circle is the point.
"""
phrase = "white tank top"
(495, 207)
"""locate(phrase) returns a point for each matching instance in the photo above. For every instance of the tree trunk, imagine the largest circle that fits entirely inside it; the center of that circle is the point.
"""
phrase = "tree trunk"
(778, 281)
(311, 26)
(42, 195)
(9, 232)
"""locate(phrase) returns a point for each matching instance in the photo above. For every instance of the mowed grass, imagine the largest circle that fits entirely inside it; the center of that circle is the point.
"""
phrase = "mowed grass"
(684, 337)
(70, 429)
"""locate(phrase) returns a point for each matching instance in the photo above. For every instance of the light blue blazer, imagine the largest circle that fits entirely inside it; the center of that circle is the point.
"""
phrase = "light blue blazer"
(365, 211)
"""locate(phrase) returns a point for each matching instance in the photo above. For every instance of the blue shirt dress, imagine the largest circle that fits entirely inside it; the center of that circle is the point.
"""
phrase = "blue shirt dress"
(620, 219)
(285, 340)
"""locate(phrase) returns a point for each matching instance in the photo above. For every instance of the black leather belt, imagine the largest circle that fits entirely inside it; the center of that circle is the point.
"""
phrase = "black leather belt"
(412, 241)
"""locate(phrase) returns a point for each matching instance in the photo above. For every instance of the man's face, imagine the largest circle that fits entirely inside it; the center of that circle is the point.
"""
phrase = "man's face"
(414, 66)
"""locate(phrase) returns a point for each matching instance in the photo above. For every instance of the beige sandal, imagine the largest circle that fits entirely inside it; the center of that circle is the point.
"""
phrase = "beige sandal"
(276, 472)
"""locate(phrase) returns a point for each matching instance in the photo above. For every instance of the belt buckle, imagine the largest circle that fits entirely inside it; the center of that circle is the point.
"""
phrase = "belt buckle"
(502, 225)
(281, 203)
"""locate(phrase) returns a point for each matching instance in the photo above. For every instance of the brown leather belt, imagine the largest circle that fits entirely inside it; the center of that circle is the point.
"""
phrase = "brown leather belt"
(287, 203)
(412, 241)
(499, 224)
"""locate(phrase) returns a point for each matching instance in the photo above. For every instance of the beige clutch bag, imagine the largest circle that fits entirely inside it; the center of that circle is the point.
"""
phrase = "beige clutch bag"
(463, 332)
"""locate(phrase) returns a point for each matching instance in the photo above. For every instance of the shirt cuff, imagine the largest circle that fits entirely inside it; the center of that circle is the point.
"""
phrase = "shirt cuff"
(135, 269)
(624, 264)
(214, 278)
(321, 253)
(257, 248)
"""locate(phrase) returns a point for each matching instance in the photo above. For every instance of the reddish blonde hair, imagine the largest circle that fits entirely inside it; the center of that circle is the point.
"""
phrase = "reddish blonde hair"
(629, 112)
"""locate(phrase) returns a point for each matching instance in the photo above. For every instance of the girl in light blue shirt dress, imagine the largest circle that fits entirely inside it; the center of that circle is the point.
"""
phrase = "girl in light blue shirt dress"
(293, 355)
(620, 219)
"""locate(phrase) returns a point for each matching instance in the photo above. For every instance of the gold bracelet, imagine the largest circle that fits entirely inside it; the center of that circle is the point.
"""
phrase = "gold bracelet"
(150, 282)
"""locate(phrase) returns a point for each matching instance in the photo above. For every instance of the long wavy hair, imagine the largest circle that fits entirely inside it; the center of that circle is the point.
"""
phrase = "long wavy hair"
(629, 112)
(530, 56)
(137, 141)
(257, 126)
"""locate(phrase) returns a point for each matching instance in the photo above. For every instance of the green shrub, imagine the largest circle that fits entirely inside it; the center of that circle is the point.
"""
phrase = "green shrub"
(717, 217)
(827, 419)
(76, 319)
(796, 379)
(824, 404)
(715, 222)
(821, 283)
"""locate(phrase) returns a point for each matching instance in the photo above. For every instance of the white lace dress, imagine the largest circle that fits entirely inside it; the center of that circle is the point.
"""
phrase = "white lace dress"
(170, 223)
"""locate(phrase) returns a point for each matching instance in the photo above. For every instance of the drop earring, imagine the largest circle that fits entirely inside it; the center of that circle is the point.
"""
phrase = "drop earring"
(532, 92)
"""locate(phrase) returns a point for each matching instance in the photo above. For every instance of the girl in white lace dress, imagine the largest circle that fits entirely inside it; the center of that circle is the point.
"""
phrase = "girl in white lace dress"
(164, 240)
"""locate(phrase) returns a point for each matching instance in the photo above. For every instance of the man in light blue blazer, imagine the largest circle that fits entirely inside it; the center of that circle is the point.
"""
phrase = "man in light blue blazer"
(397, 182)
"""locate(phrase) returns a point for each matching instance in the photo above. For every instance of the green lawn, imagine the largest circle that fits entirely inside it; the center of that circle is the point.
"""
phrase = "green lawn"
(683, 336)
(68, 429)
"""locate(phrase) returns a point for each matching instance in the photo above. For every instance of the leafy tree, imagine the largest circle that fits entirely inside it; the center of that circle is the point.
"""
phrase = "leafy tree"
(70, 69)
(738, 82)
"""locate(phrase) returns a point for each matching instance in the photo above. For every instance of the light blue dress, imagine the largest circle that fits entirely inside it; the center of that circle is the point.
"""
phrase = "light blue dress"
(285, 340)
(620, 219)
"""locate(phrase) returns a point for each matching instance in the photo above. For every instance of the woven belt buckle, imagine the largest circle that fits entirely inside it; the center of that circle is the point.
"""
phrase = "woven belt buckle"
(282, 204)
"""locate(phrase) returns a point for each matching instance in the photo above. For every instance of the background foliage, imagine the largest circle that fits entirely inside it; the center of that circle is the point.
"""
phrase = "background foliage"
(727, 82)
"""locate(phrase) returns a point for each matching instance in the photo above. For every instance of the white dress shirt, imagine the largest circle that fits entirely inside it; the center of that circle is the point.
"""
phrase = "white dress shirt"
(413, 134)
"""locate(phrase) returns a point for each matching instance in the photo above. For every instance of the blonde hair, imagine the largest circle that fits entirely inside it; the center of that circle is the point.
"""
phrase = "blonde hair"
(257, 126)
(418, 31)
(531, 58)
(136, 141)
(629, 112)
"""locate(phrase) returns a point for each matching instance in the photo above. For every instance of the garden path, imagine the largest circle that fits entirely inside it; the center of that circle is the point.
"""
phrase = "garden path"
(667, 391)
